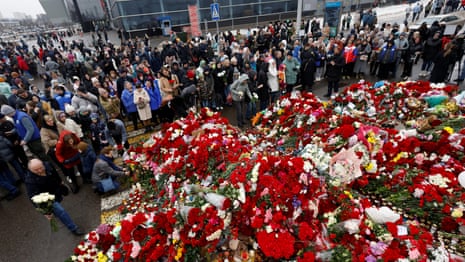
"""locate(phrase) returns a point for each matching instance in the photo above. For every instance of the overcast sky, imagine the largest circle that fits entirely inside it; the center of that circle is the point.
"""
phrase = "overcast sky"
(29, 7)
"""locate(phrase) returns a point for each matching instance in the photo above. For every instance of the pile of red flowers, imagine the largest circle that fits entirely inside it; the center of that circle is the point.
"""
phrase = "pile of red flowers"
(312, 181)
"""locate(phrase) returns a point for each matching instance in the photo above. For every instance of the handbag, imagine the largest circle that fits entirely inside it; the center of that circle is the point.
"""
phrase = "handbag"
(364, 57)
(229, 99)
(107, 184)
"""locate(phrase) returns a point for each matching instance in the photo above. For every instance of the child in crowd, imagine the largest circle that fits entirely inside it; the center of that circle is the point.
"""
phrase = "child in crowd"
(98, 130)
(88, 159)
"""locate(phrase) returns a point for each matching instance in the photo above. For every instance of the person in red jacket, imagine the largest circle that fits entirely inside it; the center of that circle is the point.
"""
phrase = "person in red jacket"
(67, 153)
(22, 64)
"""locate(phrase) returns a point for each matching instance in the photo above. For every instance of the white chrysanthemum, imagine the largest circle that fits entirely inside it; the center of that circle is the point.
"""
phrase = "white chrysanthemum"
(438, 180)
(255, 173)
(418, 193)
(215, 235)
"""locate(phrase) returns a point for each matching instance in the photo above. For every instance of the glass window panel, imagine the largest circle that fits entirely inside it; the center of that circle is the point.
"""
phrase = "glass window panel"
(205, 3)
(176, 5)
(242, 10)
(225, 12)
(275, 7)
(179, 18)
(139, 22)
(224, 2)
(139, 7)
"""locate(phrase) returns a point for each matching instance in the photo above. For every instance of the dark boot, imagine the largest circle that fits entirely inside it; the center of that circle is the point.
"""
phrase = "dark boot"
(75, 186)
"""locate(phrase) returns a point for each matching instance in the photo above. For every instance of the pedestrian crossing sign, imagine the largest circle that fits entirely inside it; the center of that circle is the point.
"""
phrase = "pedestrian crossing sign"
(215, 10)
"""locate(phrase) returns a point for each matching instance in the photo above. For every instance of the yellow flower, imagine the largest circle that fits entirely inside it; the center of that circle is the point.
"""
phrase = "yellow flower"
(457, 212)
(371, 139)
(369, 167)
(449, 130)
(280, 111)
(101, 257)
(399, 156)
(179, 253)
(347, 193)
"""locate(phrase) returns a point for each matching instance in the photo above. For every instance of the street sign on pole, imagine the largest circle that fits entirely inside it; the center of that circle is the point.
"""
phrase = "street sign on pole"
(215, 10)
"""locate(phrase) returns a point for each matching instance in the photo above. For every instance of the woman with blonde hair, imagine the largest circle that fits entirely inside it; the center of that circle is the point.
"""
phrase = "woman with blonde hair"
(111, 104)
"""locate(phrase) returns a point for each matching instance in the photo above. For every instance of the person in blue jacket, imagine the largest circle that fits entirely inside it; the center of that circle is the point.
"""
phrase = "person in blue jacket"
(127, 97)
(155, 98)
(62, 97)
(387, 59)
(27, 129)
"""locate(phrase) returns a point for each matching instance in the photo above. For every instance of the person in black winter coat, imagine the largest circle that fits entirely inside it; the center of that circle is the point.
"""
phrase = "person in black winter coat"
(8, 130)
(7, 155)
(42, 178)
(263, 90)
(308, 67)
(442, 62)
(431, 48)
(334, 64)
(411, 55)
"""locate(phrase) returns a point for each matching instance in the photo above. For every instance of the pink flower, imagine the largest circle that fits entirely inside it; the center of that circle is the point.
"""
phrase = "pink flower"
(135, 249)
(419, 158)
(414, 254)
(345, 166)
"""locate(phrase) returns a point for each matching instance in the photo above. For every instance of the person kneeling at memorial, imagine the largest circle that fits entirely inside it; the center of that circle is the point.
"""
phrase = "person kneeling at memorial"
(42, 178)
(105, 172)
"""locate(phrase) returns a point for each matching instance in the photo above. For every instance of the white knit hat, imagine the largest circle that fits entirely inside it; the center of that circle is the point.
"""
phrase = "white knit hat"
(7, 110)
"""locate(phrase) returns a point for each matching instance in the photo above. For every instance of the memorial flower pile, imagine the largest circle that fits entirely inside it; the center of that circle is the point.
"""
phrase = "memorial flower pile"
(353, 179)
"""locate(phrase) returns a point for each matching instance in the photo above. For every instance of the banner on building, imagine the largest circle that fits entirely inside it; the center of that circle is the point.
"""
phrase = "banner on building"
(194, 19)
(333, 17)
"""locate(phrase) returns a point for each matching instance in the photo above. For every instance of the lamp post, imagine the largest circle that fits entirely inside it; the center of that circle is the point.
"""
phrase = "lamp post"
(299, 16)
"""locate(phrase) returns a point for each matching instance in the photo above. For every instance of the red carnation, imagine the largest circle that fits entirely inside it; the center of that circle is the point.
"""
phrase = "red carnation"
(308, 257)
(276, 245)
(305, 232)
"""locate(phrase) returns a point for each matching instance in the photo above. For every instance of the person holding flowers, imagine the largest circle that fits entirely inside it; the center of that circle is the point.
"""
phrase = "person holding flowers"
(42, 178)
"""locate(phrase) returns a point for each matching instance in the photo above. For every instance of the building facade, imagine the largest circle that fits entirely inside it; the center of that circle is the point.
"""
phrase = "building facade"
(141, 15)
(56, 11)
(134, 15)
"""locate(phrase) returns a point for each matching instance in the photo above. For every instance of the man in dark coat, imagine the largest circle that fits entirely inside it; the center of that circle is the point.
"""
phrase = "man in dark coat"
(42, 178)
(308, 67)
(334, 65)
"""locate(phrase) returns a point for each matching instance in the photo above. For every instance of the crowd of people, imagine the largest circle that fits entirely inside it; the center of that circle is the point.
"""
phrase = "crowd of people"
(76, 120)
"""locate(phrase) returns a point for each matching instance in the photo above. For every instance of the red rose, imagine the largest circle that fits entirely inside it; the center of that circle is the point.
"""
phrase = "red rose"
(139, 234)
(448, 224)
